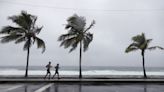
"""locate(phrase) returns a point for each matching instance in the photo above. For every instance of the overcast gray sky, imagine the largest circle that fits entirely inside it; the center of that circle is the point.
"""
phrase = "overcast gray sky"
(116, 22)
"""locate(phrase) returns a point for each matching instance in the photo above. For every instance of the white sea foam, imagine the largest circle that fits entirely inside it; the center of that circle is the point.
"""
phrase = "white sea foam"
(89, 72)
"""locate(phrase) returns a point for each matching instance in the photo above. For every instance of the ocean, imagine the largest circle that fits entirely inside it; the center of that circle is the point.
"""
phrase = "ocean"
(86, 70)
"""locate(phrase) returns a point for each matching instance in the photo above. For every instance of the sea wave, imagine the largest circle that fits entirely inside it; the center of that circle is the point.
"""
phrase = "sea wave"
(71, 72)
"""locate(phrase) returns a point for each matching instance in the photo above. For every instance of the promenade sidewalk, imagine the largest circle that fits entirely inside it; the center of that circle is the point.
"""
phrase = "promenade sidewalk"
(83, 80)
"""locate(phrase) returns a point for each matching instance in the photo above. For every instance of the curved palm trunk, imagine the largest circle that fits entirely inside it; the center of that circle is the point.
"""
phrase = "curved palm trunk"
(28, 52)
(27, 63)
(143, 63)
(80, 59)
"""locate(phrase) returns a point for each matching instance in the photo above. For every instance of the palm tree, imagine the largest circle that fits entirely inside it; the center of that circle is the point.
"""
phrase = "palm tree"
(77, 34)
(141, 43)
(24, 31)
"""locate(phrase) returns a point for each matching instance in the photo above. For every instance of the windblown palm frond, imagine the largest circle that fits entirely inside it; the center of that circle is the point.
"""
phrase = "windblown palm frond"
(132, 47)
(10, 29)
(86, 41)
(27, 44)
(74, 45)
(37, 29)
(9, 38)
(91, 25)
(20, 40)
(66, 36)
(76, 22)
(68, 42)
(140, 39)
(23, 20)
(155, 47)
(40, 44)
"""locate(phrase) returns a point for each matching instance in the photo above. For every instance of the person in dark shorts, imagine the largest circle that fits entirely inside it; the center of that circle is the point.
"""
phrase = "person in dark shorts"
(48, 66)
(56, 71)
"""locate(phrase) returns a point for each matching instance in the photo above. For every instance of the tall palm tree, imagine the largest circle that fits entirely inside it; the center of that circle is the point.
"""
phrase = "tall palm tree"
(24, 31)
(77, 34)
(141, 43)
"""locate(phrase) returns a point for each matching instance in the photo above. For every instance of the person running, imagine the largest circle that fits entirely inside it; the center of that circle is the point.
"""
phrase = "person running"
(48, 66)
(56, 71)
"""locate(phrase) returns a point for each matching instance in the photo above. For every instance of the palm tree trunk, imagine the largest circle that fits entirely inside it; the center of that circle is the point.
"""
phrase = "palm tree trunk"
(143, 63)
(27, 63)
(80, 58)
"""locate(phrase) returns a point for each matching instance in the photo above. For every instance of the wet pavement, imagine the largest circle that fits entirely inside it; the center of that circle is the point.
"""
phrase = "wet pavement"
(57, 87)
(27, 87)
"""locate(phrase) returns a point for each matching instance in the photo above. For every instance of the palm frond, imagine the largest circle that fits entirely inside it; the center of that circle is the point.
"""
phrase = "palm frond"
(34, 18)
(76, 22)
(155, 47)
(28, 20)
(66, 36)
(87, 40)
(74, 46)
(68, 42)
(70, 39)
(21, 39)
(27, 44)
(71, 22)
(10, 37)
(91, 25)
(145, 44)
(67, 26)
(10, 29)
(19, 20)
(40, 44)
(132, 47)
(139, 38)
(23, 20)
(37, 30)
